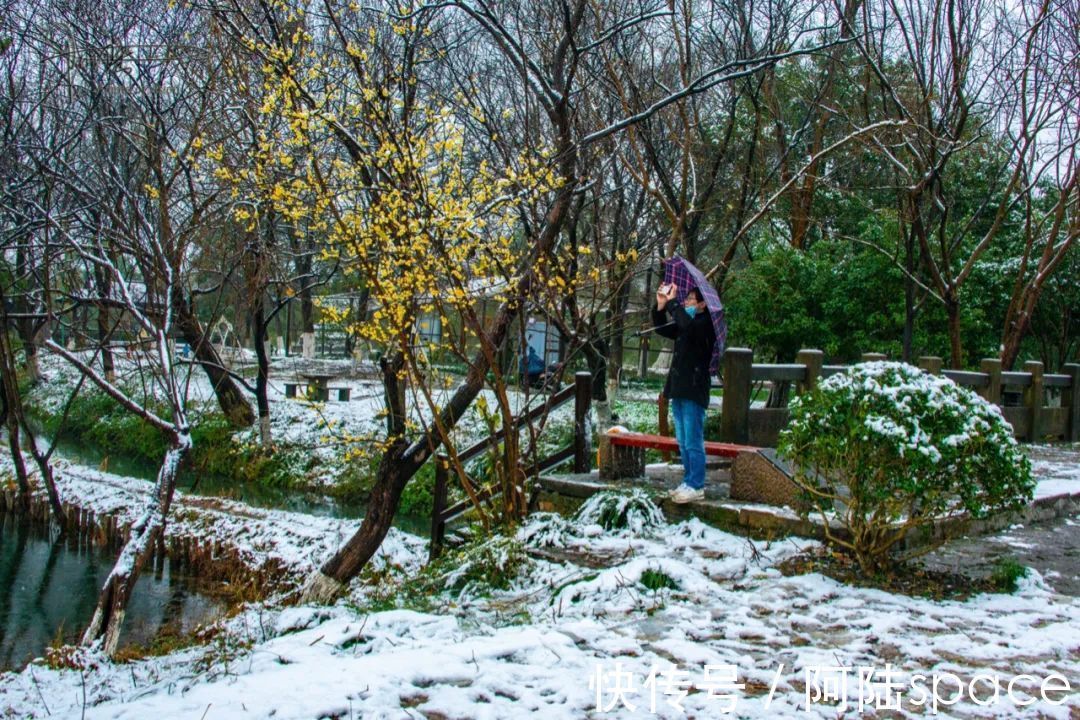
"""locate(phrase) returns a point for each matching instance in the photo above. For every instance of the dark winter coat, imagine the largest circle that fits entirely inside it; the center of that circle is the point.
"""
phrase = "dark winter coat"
(694, 341)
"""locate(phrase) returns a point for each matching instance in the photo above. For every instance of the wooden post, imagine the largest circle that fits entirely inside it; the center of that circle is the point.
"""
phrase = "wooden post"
(1035, 398)
(582, 439)
(874, 357)
(663, 426)
(931, 364)
(438, 505)
(735, 412)
(992, 391)
(814, 360)
(1071, 399)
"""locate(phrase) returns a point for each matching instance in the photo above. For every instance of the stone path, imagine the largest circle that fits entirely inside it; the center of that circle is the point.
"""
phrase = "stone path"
(1052, 548)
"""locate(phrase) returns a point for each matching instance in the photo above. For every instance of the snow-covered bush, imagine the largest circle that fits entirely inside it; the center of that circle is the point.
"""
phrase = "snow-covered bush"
(633, 511)
(545, 530)
(886, 448)
(492, 564)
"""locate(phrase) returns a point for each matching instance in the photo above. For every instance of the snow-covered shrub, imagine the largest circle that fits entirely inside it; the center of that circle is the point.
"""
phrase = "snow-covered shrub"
(886, 448)
(633, 511)
(545, 530)
(489, 565)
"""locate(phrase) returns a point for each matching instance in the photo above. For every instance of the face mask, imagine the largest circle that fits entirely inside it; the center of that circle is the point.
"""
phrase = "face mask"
(691, 311)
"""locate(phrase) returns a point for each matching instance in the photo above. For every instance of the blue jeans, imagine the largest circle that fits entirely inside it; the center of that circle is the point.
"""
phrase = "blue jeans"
(690, 432)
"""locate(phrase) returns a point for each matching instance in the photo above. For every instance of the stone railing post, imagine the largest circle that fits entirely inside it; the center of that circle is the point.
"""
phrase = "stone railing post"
(814, 360)
(931, 364)
(874, 357)
(1071, 399)
(1034, 399)
(992, 391)
(735, 413)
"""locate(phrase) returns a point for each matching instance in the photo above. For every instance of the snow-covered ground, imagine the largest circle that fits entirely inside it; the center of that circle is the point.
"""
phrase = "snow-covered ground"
(1056, 469)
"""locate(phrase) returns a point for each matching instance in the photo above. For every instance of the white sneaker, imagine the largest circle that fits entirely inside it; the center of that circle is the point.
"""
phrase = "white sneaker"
(684, 494)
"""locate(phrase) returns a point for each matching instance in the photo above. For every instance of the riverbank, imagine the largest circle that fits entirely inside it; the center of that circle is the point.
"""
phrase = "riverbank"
(276, 547)
(320, 449)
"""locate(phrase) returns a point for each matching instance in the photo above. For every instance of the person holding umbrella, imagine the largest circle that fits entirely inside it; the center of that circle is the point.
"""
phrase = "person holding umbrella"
(688, 384)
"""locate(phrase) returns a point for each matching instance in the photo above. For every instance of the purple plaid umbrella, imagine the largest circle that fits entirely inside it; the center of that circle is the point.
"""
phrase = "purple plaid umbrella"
(682, 273)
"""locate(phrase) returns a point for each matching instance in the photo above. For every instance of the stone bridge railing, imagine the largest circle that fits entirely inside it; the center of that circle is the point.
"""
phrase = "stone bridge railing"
(1039, 406)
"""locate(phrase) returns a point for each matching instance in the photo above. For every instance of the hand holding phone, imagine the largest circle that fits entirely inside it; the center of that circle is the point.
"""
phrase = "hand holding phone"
(663, 294)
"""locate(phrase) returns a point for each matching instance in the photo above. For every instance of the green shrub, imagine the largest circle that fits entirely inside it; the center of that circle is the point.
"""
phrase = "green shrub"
(354, 481)
(658, 580)
(418, 497)
(545, 530)
(712, 425)
(633, 511)
(886, 448)
(1007, 573)
(491, 564)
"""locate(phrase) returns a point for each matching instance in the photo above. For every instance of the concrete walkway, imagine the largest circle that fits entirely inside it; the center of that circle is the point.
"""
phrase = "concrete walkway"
(1052, 548)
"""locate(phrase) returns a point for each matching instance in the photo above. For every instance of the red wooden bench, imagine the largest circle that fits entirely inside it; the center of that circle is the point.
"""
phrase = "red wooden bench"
(625, 455)
(661, 442)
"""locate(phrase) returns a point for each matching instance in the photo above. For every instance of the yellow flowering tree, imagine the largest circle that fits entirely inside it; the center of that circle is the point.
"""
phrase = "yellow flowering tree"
(372, 160)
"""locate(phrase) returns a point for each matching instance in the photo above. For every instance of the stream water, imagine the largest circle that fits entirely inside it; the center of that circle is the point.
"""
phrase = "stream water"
(49, 586)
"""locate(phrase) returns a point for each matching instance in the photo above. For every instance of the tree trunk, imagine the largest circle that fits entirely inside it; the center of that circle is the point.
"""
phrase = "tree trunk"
(510, 475)
(1017, 324)
(230, 398)
(328, 581)
(262, 378)
(909, 296)
(22, 478)
(956, 358)
(112, 602)
(33, 368)
(25, 325)
(307, 317)
(802, 196)
(9, 396)
(596, 356)
(108, 362)
(617, 347)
